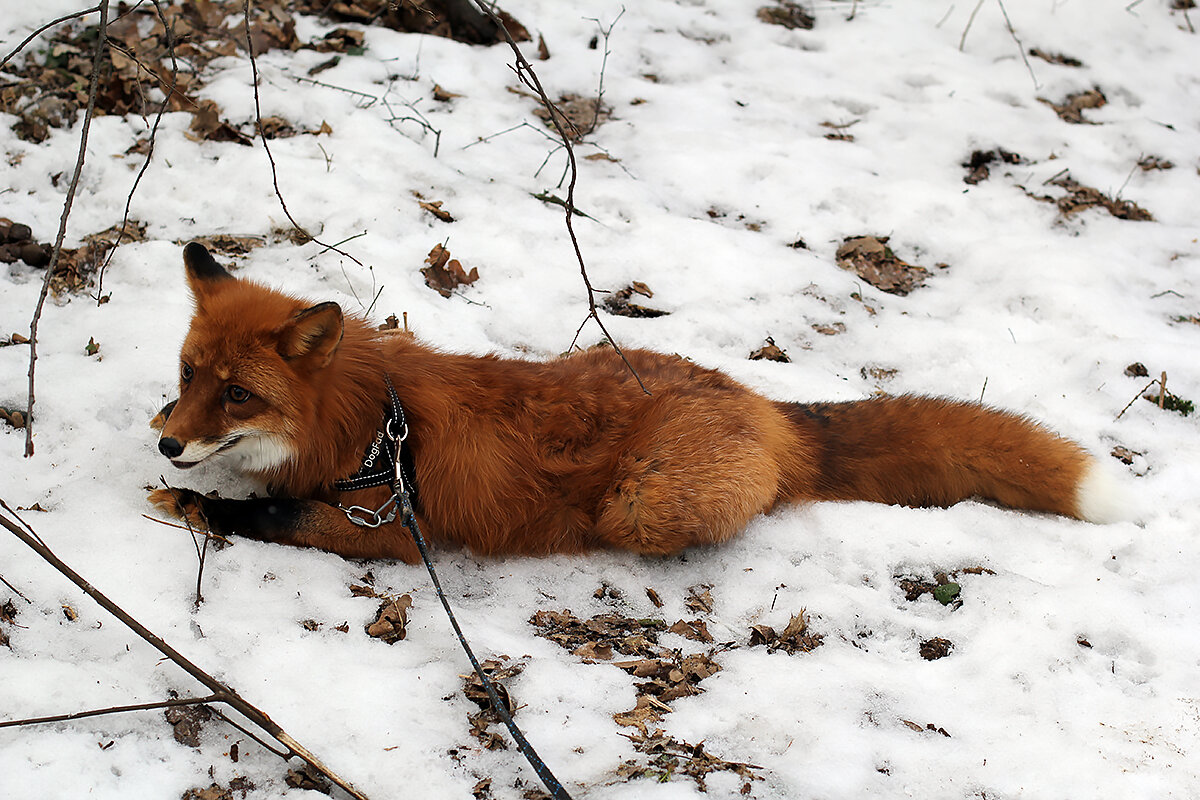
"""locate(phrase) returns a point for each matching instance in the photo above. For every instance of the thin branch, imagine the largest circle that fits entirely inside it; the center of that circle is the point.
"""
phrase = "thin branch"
(101, 37)
(962, 42)
(169, 32)
(223, 693)
(98, 712)
(46, 27)
(1141, 392)
(18, 592)
(1020, 47)
(527, 76)
(606, 33)
(267, 148)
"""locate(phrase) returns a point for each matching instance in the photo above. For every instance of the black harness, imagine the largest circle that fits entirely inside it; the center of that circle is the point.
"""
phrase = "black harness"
(388, 462)
(385, 462)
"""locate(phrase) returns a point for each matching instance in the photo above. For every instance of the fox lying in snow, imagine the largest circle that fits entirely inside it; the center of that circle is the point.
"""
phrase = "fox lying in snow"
(522, 457)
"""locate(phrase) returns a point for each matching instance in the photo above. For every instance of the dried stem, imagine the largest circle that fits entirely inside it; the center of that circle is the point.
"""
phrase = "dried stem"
(169, 89)
(1020, 47)
(267, 148)
(47, 26)
(101, 37)
(97, 712)
(527, 76)
(962, 42)
(221, 692)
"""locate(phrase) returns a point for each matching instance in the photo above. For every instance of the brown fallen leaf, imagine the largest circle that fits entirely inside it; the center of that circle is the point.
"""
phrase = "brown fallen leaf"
(1071, 109)
(696, 630)
(444, 274)
(435, 207)
(873, 261)
(391, 620)
(699, 600)
(770, 352)
(618, 303)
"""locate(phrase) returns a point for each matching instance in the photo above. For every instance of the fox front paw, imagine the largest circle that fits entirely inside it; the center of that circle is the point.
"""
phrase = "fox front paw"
(182, 504)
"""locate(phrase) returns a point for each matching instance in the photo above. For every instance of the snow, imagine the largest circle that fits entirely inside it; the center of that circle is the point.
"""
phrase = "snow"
(1033, 312)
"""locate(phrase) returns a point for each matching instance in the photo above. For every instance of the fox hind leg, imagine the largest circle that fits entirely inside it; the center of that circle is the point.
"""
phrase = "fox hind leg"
(659, 506)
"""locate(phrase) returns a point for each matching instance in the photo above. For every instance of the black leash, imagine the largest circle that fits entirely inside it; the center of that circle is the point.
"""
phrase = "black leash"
(394, 432)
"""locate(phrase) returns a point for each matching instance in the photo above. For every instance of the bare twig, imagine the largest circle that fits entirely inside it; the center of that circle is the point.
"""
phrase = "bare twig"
(221, 692)
(46, 27)
(18, 592)
(962, 42)
(1020, 47)
(98, 712)
(201, 550)
(169, 90)
(1141, 392)
(267, 148)
(101, 37)
(527, 76)
(599, 104)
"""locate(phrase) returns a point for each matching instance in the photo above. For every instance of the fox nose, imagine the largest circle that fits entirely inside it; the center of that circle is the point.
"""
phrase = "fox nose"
(169, 447)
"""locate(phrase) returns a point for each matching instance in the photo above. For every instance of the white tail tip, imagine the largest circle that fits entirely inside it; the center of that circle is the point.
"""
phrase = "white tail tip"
(1102, 497)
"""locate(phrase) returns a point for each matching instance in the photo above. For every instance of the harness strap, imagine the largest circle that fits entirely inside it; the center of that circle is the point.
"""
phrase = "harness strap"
(388, 462)
(552, 784)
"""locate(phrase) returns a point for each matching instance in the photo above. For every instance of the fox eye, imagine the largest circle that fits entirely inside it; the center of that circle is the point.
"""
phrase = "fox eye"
(186, 372)
(237, 394)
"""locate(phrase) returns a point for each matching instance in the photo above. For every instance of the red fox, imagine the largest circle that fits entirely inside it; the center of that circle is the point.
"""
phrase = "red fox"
(524, 457)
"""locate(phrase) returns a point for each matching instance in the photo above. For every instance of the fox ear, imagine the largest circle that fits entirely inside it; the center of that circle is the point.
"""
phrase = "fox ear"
(313, 334)
(203, 273)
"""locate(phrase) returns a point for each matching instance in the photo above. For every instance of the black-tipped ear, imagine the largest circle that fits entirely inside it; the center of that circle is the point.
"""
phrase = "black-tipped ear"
(203, 271)
(312, 334)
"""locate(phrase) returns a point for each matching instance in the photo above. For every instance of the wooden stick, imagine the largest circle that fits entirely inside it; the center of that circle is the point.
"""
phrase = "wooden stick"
(221, 693)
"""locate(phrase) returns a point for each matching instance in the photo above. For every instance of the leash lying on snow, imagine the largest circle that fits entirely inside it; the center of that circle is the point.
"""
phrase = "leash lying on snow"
(386, 463)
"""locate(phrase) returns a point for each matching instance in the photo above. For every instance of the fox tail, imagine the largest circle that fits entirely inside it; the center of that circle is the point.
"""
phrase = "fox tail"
(923, 451)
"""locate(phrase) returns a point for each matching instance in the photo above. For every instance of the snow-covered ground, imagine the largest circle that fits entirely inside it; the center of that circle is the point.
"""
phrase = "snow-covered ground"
(1075, 669)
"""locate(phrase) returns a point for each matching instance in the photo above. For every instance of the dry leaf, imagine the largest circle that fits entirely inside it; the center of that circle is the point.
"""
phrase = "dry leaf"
(443, 274)
(391, 620)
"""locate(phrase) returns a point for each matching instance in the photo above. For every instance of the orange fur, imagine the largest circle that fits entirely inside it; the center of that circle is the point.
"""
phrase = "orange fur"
(560, 456)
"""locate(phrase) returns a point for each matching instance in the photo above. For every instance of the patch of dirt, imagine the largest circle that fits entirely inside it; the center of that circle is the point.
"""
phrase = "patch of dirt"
(1055, 58)
(619, 302)
(790, 15)
(944, 587)
(309, 779)
(977, 165)
(1152, 163)
(188, 723)
(795, 638)
(1124, 454)
(837, 131)
(929, 726)
(770, 352)
(603, 633)
(498, 670)
(1071, 109)
(872, 260)
(749, 224)
(1078, 198)
(144, 63)
(935, 648)
(8, 616)
(579, 116)
(451, 19)
(665, 757)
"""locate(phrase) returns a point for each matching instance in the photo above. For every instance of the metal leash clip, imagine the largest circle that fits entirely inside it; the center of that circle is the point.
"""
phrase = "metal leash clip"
(374, 518)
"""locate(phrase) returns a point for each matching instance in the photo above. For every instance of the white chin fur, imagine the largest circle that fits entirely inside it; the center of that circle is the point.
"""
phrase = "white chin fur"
(1101, 497)
(259, 453)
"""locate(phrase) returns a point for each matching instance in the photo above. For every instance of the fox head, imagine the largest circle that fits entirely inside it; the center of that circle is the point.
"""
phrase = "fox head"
(246, 371)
